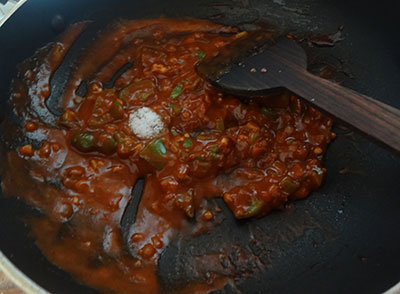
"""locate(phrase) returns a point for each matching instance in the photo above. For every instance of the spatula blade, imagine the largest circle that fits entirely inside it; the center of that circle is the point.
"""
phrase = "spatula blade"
(257, 74)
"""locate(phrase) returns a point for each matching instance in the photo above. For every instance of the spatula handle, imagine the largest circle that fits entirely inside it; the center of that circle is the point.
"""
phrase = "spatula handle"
(373, 118)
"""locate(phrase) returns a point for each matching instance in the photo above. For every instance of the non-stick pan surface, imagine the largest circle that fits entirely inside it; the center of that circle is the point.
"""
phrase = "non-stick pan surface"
(344, 238)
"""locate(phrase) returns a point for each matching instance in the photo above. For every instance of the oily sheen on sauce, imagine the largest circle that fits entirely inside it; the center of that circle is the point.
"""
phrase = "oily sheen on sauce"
(79, 168)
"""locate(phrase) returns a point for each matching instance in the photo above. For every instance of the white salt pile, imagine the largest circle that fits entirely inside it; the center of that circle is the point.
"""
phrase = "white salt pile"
(145, 123)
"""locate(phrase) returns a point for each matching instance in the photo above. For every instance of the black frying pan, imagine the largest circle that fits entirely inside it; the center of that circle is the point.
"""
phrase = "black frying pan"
(344, 238)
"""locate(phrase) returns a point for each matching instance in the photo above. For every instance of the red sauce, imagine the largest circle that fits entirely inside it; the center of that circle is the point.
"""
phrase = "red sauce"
(82, 172)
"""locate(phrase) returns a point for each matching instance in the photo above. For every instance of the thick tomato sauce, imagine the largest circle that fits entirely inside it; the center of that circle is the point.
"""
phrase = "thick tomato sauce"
(79, 169)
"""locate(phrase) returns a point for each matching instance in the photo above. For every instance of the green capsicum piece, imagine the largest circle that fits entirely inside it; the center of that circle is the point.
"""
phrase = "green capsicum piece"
(155, 154)
(269, 113)
(176, 91)
(117, 109)
(289, 185)
(200, 54)
(187, 143)
(83, 141)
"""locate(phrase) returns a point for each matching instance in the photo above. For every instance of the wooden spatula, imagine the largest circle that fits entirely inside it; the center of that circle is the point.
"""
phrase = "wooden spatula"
(283, 64)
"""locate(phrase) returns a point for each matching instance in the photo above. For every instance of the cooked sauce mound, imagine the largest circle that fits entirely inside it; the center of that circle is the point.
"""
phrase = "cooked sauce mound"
(78, 167)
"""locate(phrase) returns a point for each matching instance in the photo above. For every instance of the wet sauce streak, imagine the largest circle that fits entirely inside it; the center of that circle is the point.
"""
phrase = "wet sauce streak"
(82, 172)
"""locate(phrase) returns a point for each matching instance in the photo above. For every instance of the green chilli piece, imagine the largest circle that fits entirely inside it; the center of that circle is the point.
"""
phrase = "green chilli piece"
(200, 54)
(253, 138)
(200, 158)
(174, 133)
(176, 91)
(83, 141)
(289, 185)
(187, 143)
(268, 112)
(155, 154)
(117, 109)
(253, 209)
(213, 152)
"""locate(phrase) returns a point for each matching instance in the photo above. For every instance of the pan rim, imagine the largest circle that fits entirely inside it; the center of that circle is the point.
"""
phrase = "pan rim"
(11, 12)
(394, 290)
(19, 278)
(25, 283)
